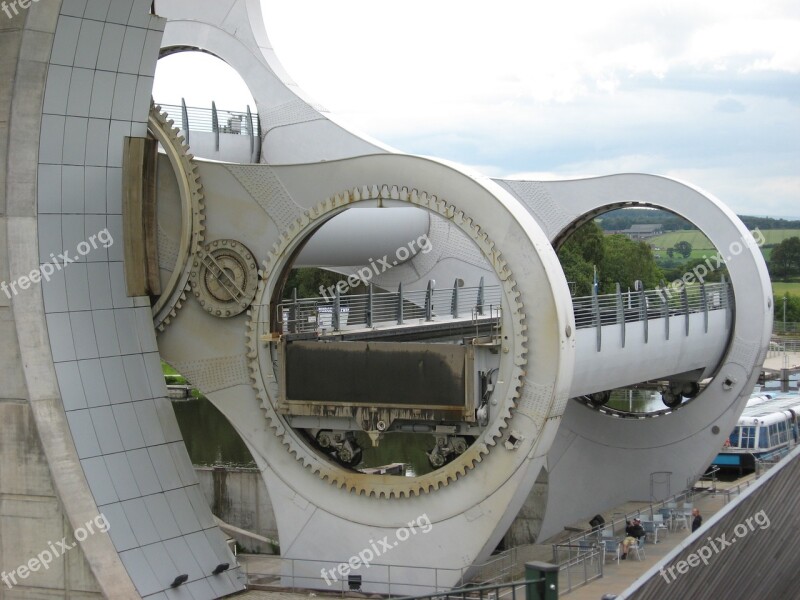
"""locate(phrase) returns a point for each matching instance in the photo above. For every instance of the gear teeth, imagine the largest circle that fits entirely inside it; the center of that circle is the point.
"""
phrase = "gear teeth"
(334, 474)
(159, 121)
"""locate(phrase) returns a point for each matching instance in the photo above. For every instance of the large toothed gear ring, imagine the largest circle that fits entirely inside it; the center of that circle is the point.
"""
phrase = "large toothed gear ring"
(262, 365)
(192, 229)
(224, 278)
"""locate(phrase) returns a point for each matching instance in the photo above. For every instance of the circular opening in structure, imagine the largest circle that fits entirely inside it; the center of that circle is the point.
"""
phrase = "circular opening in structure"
(390, 321)
(643, 280)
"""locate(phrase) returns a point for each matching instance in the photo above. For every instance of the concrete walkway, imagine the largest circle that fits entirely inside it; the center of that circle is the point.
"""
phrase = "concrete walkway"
(617, 577)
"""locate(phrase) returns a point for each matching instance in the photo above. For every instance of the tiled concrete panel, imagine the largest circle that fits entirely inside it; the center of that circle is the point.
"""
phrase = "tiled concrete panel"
(72, 193)
(51, 141)
(122, 476)
(137, 377)
(155, 374)
(97, 142)
(200, 506)
(165, 467)
(140, 14)
(119, 291)
(143, 577)
(159, 560)
(144, 529)
(57, 90)
(162, 516)
(73, 229)
(183, 558)
(114, 373)
(182, 509)
(120, 11)
(144, 92)
(114, 191)
(166, 417)
(106, 333)
(77, 279)
(99, 286)
(74, 8)
(119, 527)
(83, 333)
(202, 551)
(99, 480)
(95, 186)
(147, 338)
(116, 251)
(144, 473)
(94, 383)
(95, 246)
(129, 431)
(107, 434)
(148, 421)
(97, 9)
(150, 54)
(80, 92)
(201, 590)
(55, 291)
(66, 41)
(88, 44)
(116, 140)
(132, 48)
(182, 462)
(71, 386)
(219, 546)
(102, 94)
(80, 425)
(178, 593)
(50, 236)
(124, 94)
(221, 584)
(60, 333)
(110, 47)
(49, 182)
(75, 140)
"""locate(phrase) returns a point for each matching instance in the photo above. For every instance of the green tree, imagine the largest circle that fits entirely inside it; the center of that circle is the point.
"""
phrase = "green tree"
(785, 258)
(671, 252)
(580, 253)
(683, 248)
(625, 261)
(308, 280)
(792, 309)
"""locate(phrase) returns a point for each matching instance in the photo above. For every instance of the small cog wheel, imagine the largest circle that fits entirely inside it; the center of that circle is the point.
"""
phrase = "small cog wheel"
(224, 278)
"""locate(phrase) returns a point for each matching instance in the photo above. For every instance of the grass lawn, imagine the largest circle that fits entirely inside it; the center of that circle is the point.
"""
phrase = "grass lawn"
(779, 288)
(699, 241)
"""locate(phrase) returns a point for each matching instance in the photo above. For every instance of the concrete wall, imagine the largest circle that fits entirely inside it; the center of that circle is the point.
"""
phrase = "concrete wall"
(239, 497)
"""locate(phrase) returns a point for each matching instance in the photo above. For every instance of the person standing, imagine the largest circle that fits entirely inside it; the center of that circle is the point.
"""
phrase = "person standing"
(697, 519)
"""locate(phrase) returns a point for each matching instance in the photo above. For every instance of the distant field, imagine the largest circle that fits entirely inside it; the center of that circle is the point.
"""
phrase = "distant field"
(780, 288)
(700, 242)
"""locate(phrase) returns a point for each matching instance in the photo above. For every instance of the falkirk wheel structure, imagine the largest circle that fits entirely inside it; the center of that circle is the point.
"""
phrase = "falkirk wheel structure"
(497, 361)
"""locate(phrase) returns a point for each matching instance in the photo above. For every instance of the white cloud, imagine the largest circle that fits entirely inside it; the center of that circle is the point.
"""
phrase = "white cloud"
(566, 88)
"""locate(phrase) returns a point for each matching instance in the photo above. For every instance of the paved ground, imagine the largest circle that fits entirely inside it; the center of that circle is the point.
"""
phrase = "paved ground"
(616, 576)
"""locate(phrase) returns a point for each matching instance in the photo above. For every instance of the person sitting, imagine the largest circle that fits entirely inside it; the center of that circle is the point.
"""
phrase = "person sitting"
(633, 533)
(697, 519)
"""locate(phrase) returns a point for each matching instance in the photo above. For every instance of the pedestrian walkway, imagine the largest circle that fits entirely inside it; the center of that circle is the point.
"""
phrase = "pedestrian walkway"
(617, 577)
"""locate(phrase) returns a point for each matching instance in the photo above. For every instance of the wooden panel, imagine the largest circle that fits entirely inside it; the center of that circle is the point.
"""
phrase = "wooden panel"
(139, 216)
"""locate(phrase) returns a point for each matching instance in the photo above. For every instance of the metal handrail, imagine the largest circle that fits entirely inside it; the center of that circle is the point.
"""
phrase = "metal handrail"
(213, 120)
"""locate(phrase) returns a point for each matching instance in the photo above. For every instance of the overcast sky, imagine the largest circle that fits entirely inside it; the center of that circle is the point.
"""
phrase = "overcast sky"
(702, 90)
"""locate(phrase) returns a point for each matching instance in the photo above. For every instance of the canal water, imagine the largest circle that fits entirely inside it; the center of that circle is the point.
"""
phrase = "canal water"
(211, 440)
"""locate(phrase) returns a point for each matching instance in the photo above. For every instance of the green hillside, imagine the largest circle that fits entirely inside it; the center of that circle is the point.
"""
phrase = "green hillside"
(699, 241)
